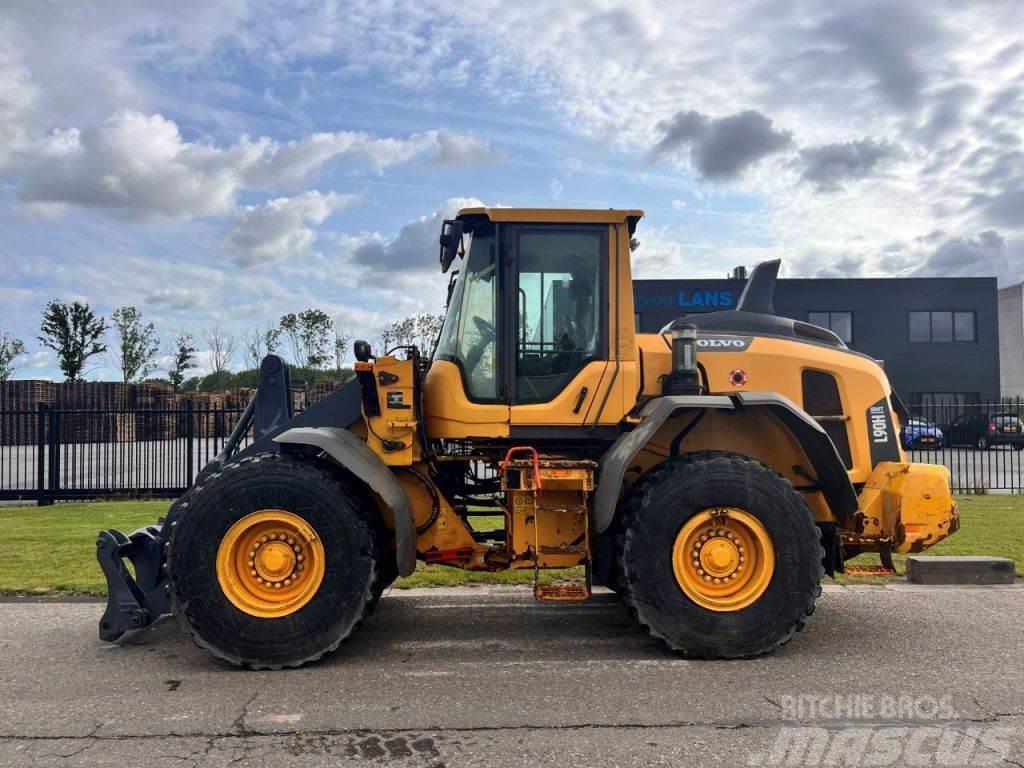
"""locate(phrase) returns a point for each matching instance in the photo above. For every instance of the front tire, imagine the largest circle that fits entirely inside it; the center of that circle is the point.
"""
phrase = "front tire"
(708, 606)
(314, 574)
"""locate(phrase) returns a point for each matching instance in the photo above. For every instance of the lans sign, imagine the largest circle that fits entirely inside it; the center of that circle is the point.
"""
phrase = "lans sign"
(699, 299)
(696, 299)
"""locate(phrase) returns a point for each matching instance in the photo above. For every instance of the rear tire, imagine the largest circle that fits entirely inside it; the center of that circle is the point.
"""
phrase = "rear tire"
(346, 530)
(983, 444)
(655, 512)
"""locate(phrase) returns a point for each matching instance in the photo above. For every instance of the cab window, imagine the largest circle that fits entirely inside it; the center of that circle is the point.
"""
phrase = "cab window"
(559, 305)
(468, 335)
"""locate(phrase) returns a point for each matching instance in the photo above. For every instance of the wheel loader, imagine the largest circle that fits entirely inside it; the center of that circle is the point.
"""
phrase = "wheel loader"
(709, 474)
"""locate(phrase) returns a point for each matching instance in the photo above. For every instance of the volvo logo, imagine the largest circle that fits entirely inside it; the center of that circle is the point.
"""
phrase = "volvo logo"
(723, 343)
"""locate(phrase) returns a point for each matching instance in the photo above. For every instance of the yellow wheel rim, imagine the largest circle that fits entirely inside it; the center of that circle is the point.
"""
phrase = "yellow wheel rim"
(723, 559)
(270, 563)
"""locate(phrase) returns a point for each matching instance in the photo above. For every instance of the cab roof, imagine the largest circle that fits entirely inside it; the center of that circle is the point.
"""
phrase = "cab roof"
(555, 215)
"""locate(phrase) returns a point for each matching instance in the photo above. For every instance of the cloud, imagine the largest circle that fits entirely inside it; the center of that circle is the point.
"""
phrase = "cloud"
(278, 228)
(141, 165)
(984, 254)
(884, 40)
(459, 150)
(827, 165)
(1004, 208)
(415, 246)
(721, 148)
(18, 94)
(137, 163)
(177, 298)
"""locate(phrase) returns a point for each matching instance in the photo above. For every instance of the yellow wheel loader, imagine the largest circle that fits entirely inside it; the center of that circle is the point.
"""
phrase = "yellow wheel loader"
(709, 474)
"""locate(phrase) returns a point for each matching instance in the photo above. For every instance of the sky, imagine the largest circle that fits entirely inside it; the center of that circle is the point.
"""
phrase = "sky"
(222, 163)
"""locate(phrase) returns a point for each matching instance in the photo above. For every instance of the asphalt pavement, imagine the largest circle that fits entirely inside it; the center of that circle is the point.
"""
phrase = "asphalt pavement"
(487, 677)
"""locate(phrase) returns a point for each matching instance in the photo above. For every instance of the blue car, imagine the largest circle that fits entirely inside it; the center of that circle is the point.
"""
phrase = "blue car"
(921, 433)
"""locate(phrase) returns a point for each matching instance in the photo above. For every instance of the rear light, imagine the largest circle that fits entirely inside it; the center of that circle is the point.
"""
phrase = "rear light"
(991, 426)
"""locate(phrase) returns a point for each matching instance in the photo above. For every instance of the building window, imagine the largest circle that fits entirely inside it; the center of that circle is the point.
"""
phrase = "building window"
(840, 323)
(942, 326)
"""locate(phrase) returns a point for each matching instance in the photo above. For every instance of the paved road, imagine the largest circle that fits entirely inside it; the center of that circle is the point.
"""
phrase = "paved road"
(488, 678)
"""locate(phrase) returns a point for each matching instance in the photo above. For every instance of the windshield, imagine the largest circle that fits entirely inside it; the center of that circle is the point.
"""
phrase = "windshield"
(468, 335)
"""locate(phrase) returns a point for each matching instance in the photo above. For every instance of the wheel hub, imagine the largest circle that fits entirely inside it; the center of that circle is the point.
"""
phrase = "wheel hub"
(274, 561)
(270, 563)
(720, 557)
(723, 559)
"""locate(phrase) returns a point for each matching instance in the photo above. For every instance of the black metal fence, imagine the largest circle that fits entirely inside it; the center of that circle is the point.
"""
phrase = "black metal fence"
(49, 454)
(981, 443)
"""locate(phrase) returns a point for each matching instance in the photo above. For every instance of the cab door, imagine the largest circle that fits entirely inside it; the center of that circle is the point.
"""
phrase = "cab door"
(465, 394)
(557, 347)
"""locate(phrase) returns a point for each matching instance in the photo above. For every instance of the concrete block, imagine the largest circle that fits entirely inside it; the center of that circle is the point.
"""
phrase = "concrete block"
(934, 569)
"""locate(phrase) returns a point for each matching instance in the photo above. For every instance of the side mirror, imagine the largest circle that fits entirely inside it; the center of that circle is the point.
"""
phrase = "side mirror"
(451, 242)
(362, 351)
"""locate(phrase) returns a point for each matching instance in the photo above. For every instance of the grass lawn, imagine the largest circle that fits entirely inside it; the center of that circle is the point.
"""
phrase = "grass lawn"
(46, 550)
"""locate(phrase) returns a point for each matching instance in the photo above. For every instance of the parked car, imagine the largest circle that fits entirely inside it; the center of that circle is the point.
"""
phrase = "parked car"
(921, 433)
(984, 430)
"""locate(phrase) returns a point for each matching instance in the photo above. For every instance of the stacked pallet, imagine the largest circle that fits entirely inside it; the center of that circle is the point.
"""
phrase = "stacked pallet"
(114, 412)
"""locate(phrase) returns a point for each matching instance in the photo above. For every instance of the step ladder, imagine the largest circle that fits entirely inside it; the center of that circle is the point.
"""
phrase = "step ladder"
(531, 495)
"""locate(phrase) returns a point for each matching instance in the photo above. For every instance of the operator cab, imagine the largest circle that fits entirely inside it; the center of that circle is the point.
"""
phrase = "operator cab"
(528, 311)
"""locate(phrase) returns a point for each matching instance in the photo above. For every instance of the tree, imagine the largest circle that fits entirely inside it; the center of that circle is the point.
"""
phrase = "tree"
(75, 333)
(10, 350)
(421, 330)
(308, 335)
(137, 344)
(260, 342)
(342, 337)
(222, 346)
(183, 358)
